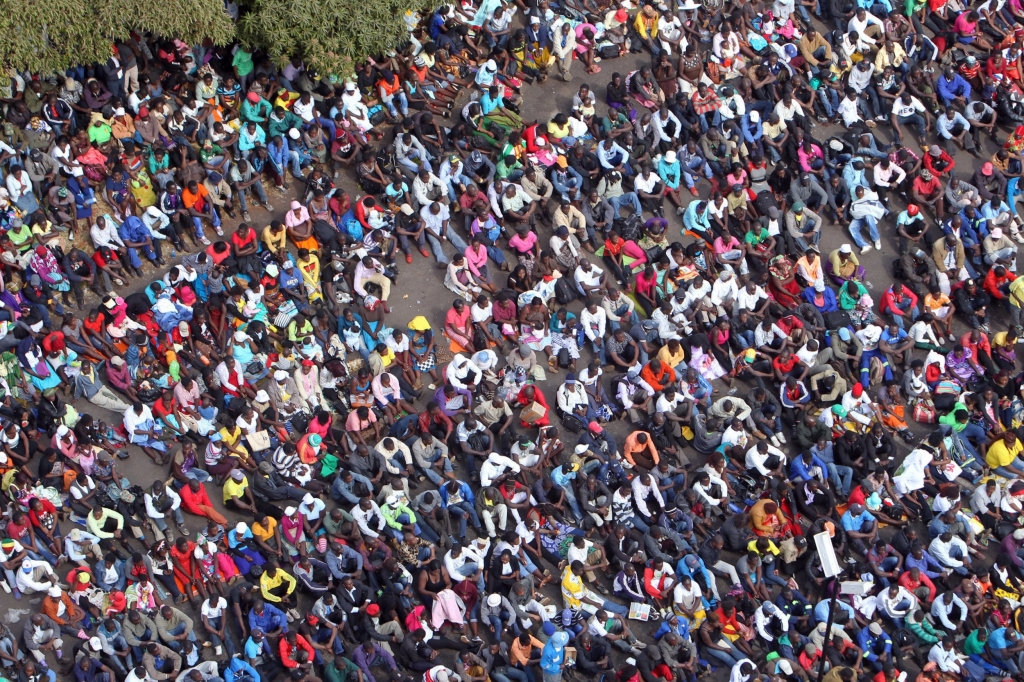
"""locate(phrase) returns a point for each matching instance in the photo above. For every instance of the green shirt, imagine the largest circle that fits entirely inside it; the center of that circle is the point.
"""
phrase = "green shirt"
(242, 61)
(924, 632)
(333, 674)
(100, 134)
(972, 645)
(503, 171)
(950, 419)
(207, 154)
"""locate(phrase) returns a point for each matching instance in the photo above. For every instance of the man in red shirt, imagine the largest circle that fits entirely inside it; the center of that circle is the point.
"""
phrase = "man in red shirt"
(927, 190)
(296, 652)
(997, 280)
(658, 375)
(900, 302)
(918, 583)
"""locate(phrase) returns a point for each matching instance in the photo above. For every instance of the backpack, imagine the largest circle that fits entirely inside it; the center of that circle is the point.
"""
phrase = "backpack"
(837, 319)
(628, 227)
(897, 270)
(565, 293)
(572, 423)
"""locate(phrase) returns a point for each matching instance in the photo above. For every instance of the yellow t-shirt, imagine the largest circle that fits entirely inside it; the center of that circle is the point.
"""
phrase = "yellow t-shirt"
(272, 241)
(573, 588)
(667, 357)
(233, 488)
(999, 455)
(264, 533)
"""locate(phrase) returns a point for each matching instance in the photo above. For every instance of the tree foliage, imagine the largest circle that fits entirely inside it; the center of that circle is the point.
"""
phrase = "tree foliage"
(47, 35)
(330, 36)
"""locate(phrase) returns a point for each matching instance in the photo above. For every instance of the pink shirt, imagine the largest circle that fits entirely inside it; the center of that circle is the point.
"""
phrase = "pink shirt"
(523, 244)
(476, 259)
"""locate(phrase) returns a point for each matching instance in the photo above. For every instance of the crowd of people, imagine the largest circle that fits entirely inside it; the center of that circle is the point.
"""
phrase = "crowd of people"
(652, 405)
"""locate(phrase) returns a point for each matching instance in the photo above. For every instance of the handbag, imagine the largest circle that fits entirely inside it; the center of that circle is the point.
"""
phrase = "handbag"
(924, 412)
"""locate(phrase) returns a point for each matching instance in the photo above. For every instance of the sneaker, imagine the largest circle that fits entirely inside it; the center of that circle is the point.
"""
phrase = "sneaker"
(865, 248)
(634, 651)
(246, 217)
(775, 440)
(952, 339)
(268, 208)
(782, 437)
(219, 231)
(206, 241)
(640, 645)
(878, 244)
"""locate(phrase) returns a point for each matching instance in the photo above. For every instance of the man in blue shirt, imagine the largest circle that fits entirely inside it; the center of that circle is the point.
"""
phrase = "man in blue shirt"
(1005, 647)
(860, 526)
(953, 88)
(370, 655)
(920, 559)
(458, 499)
(877, 645)
(821, 610)
(267, 618)
(240, 671)
(807, 466)
(136, 236)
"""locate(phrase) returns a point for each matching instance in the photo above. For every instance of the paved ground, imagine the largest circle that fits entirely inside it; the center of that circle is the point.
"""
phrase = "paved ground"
(420, 289)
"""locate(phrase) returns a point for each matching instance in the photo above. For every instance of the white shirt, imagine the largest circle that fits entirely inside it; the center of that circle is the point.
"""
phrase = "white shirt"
(133, 420)
(106, 236)
(941, 551)
(495, 465)
(215, 609)
(154, 513)
(848, 110)
(588, 278)
(593, 323)
(945, 660)
(362, 518)
(434, 223)
(755, 460)
(641, 491)
(889, 604)
(900, 108)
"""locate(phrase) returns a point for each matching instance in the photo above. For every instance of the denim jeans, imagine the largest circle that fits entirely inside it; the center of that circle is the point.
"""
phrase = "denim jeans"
(841, 477)
(912, 313)
(436, 244)
(175, 645)
(509, 674)
(403, 104)
(692, 169)
(257, 189)
(43, 553)
(730, 658)
(1017, 463)
(629, 199)
(197, 474)
(465, 512)
(197, 222)
(888, 565)
(858, 224)
(227, 642)
(179, 519)
(496, 623)
(429, 472)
